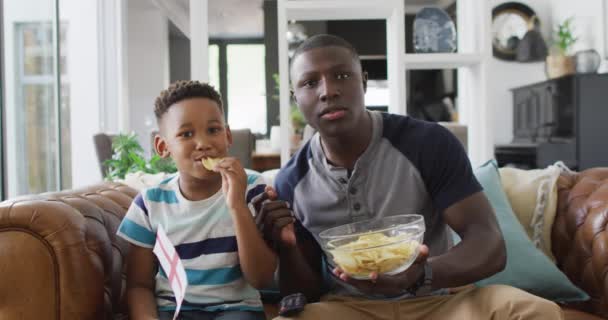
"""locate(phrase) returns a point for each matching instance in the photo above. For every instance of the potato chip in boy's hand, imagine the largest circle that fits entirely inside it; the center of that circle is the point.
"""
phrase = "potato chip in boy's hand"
(209, 163)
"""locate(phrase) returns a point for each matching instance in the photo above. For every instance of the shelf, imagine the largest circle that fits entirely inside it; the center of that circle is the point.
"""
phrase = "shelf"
(372, 57)
(310, 10)
(422, 61)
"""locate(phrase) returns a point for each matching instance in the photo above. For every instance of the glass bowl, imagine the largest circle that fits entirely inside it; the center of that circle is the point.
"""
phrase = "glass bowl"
(387, 246)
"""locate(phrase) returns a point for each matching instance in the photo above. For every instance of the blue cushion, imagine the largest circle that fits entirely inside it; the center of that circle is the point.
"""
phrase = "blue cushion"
(527, 267)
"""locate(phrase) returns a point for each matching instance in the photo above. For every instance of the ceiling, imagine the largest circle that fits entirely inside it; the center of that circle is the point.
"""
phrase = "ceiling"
(245, 18)
(233, 18)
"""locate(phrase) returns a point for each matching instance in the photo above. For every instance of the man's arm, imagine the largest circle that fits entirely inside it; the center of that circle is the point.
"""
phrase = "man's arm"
(299, 259)
(300, 268)
(141, 268)
(480, 254)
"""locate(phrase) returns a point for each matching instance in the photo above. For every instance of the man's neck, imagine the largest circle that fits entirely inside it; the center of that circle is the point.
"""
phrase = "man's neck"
(344, 151)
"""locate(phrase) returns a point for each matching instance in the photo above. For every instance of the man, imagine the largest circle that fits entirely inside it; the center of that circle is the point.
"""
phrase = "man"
(363, 165)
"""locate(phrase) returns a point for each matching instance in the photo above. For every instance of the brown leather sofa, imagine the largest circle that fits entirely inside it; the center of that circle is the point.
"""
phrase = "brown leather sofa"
(60, 257)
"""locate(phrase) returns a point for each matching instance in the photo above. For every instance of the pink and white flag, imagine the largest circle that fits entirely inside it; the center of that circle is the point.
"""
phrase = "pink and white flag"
(172, 265)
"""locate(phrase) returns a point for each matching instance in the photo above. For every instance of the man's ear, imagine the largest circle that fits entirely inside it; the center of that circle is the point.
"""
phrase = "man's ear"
(229, 135)
(364, 76)
(160, 145)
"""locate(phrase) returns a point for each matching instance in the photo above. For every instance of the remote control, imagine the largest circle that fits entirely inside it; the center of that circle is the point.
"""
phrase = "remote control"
(292, 304)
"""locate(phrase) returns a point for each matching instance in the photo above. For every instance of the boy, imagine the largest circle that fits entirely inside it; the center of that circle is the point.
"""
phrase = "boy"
(204, 213)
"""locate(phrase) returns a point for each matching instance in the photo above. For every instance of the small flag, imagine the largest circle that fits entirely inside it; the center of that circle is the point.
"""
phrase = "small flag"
(172, 265)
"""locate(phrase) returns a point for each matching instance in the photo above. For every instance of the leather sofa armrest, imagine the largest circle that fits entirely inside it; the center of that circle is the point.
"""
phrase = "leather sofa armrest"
(49, 266)
(579, 235)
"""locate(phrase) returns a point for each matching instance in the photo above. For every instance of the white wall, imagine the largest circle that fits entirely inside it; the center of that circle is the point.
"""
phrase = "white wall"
(148, 66)
(589, 16)
(83, 55)
(506, 75)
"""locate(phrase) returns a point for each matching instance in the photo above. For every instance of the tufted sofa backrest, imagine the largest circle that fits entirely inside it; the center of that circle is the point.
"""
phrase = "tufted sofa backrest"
(579, 236)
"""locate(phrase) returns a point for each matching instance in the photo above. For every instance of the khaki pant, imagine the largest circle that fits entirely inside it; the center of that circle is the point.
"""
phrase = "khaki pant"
(493, 302)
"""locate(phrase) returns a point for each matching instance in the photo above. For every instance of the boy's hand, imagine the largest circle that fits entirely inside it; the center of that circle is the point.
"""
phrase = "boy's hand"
(234, 182)
(275, 219)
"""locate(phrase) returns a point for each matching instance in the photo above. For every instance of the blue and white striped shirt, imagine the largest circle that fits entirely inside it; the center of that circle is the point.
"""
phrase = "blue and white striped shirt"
(203, 235)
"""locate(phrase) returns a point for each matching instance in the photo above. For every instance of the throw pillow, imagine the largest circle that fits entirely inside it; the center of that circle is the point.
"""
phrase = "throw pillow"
(533, 197)
(527, 267)
(140, 180)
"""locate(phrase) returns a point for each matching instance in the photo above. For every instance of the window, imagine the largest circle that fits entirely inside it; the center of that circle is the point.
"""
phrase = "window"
(247, 87)
(33, 138)
(241, 68)
(214, 66)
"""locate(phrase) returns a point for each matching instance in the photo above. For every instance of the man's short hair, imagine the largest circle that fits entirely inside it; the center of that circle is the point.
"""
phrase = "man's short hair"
(322, 41)
(182, 90)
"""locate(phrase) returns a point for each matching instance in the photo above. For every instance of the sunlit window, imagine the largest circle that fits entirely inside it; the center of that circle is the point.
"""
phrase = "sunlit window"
(247, 87)
(214, 66)
(36, 142)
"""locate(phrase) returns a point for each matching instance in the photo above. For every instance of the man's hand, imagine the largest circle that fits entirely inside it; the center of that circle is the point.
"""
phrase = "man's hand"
(275, 219)
(385, 284)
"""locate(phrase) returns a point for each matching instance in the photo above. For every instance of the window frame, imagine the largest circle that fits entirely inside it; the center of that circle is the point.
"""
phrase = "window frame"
(3, 186)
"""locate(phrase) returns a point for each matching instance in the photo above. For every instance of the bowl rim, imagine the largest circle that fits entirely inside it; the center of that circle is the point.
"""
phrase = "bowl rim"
(409, 239)
(323, 234)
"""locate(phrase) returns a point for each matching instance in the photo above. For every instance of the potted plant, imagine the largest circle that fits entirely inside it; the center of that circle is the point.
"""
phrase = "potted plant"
(297, 118)
(560, 61)
(127, 157)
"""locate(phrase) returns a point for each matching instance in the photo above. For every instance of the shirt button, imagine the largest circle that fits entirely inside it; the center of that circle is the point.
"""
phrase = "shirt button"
(353, 190)
(357, 206)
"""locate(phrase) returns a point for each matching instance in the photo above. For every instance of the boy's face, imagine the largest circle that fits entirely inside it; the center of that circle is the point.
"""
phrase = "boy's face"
(191, 130)
(329, 88)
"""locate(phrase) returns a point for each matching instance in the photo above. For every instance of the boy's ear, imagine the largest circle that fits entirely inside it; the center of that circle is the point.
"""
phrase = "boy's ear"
(160, 145)
(229, 136)
(293, 95)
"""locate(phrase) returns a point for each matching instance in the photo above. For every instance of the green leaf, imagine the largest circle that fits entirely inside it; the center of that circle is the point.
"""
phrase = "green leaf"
(127, 157)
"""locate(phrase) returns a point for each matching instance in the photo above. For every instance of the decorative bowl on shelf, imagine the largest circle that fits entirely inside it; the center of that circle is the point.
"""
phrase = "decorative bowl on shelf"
(434, 31)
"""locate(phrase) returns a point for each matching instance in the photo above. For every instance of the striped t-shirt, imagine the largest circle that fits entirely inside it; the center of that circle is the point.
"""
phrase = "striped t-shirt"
(203, 235)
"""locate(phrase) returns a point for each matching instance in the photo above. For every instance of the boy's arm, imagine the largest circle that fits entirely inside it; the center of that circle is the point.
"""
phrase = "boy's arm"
(141, 268)
(258, 261)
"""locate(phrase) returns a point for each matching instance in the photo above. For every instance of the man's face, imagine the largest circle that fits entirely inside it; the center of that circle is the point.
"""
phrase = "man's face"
(329, 88)
(191, 130)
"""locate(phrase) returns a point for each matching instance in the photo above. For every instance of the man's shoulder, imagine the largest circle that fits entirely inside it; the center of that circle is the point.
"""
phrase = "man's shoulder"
(296, 168)
(412, 135)
(398, 126)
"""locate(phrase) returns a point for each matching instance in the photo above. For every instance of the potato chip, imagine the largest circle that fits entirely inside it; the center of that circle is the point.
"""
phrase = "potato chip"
(384, 254)
(209, 163)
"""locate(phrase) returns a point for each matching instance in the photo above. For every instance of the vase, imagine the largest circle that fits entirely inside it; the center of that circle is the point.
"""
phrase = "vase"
(587, 61)
(559, 65)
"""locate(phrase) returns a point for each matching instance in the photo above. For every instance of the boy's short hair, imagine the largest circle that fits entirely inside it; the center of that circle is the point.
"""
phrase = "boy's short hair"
(182, 90)
(322, 41)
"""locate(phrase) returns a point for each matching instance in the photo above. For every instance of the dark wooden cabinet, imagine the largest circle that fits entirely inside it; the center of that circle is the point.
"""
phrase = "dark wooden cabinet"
(559, 119)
